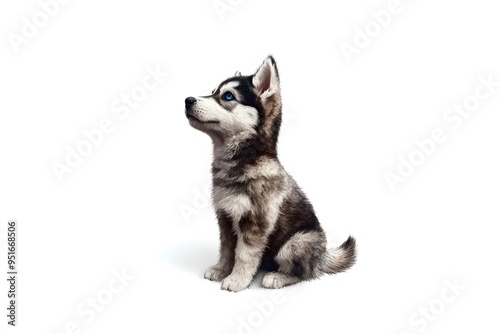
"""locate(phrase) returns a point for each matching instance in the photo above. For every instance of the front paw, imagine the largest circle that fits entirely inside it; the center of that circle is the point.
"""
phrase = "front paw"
(215, 273)
(233, 283)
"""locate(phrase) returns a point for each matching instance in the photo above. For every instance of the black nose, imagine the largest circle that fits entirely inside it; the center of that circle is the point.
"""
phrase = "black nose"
(190, 101)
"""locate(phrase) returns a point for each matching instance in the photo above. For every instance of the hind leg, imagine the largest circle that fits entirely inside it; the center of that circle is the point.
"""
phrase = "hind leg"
(300, 258)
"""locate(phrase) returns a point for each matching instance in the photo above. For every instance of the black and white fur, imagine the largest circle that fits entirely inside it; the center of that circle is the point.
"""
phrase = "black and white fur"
(265, 220)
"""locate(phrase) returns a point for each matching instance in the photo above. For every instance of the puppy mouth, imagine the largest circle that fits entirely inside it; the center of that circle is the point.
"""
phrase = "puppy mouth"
(197, 120)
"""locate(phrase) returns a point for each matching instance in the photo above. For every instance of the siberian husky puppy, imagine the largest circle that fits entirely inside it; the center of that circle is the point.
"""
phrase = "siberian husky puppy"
(265, 219)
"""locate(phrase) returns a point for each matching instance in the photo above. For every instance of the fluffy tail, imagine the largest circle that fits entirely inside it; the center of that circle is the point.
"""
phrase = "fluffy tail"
(341, 258)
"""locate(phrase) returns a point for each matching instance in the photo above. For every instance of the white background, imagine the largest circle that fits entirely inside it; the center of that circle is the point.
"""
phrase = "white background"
(347, 123)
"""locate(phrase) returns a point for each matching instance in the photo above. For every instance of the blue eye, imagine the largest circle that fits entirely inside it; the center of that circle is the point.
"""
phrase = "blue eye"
(228, 96)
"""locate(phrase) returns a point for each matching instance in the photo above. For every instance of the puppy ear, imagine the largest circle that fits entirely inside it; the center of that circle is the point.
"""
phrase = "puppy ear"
(237, 74)
(266, 80)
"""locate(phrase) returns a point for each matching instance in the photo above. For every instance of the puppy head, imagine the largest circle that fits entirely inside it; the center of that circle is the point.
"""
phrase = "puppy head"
(240, 106)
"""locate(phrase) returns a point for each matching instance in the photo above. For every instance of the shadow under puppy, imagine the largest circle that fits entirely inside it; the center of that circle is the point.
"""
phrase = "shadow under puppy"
(265, 219)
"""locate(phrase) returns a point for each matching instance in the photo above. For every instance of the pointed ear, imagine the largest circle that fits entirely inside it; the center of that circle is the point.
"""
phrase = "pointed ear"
(237, 74)
(266, 80)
